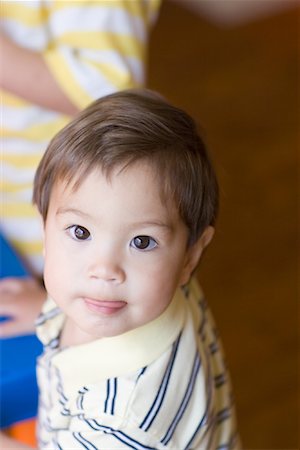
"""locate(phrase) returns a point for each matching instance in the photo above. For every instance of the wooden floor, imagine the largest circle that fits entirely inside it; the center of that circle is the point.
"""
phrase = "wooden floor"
(240, 83)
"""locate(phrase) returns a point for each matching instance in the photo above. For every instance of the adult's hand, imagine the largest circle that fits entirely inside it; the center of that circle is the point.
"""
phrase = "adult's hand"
(21, 299)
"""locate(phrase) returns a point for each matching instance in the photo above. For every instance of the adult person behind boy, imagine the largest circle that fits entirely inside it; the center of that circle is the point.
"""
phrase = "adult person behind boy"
(128, 199)
(56, 58)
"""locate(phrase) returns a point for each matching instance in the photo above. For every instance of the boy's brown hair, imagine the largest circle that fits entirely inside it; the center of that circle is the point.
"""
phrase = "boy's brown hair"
(126, 127)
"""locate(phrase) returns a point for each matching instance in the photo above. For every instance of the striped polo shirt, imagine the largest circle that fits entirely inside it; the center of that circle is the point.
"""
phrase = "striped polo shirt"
(161, 386)
(92, 48)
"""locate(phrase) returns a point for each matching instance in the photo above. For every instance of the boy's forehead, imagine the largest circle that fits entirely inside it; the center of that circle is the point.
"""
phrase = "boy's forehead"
(139, 180)
(137, 173)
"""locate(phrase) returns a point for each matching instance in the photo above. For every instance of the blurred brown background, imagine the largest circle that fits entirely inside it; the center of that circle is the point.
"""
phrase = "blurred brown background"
(239, 80)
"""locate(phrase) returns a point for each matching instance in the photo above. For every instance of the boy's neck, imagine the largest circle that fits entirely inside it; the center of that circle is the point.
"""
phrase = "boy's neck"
(72, 335)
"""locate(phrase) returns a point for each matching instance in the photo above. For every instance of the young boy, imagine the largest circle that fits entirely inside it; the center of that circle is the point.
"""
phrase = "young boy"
(129, 199)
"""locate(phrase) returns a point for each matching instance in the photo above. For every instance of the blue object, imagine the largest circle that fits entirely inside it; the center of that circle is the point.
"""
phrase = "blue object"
(18, 385)
(10, 263)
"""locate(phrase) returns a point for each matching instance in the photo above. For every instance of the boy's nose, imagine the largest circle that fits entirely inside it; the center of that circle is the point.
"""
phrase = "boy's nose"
(107, 271)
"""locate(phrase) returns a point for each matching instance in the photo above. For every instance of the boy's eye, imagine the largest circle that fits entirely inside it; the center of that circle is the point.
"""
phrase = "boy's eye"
(78, 232)
(143, 243)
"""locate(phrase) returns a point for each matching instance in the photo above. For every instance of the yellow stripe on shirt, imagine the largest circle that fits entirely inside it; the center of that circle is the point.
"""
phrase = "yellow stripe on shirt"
(27, 13)
(135, 7)
(95, 40)
(65, 78)
(39, 131)
(12, 188)
(12, 101)
(31, 247)
(25, 210)
(22, 161)
(120, 79)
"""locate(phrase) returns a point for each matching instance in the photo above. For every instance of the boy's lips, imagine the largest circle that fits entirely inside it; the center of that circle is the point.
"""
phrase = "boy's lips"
(106, 307)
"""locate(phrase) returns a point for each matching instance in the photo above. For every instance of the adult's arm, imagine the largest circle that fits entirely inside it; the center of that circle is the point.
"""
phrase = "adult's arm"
(25, 74)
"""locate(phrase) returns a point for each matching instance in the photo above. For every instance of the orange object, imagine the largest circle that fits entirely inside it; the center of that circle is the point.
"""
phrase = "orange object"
(24, 432)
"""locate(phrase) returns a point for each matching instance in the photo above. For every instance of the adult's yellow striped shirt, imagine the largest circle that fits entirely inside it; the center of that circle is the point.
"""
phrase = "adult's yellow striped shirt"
(92, 48)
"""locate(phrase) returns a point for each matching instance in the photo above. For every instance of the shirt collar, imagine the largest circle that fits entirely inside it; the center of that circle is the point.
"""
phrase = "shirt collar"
(118, 355)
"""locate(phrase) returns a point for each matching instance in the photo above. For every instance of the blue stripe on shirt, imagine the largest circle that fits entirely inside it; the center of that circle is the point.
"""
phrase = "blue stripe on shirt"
(231, 444)
(224, 414)
(119, 435)
(220, 380)
(114, 396)
(130, 442)
(152, 413)
(111, 394)
(206, 418)
(201, 424)
(84, 442)
(107, 395)
(185, 400)
(44, 317)
(142, 371)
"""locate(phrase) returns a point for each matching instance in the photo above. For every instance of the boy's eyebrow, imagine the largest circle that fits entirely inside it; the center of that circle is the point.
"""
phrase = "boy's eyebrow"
(156, 223)
(63, 210)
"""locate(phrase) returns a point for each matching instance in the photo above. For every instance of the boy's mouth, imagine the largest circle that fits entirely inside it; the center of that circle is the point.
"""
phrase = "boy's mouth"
(106, 307)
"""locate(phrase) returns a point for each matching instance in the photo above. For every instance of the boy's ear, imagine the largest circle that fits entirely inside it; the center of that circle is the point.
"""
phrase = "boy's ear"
(194, 253)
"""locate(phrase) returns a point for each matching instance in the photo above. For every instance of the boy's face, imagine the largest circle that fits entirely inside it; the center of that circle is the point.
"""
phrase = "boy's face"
(114, 253)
